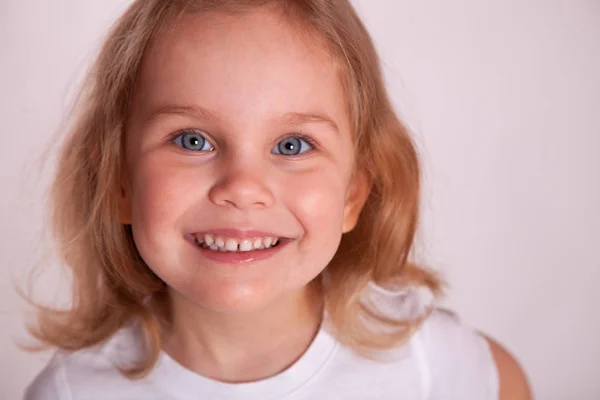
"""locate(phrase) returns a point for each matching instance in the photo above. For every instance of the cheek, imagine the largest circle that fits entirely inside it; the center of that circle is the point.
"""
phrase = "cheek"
(161, 196)
(156, 195)
(164, 190)
(317, 201)
(320, 208)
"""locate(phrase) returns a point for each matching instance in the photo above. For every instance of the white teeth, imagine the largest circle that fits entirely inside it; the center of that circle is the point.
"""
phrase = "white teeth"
(216, 243)
(246, 245)
(231, 245)
(258, 244)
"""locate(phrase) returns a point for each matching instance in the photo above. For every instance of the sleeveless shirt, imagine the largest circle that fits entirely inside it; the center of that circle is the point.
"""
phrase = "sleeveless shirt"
(443, 360)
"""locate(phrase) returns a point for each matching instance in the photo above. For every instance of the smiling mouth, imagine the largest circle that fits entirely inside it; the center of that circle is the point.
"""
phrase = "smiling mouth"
(235, 245)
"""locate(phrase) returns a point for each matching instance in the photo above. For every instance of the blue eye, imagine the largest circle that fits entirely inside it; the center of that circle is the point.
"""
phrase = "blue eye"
(292, 145)
(193, 142)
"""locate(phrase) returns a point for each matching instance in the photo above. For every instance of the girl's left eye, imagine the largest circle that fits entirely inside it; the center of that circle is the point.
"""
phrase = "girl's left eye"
(292, 146)
(193, 141)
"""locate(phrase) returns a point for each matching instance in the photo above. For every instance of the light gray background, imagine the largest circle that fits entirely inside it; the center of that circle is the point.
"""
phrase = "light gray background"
(504, 100)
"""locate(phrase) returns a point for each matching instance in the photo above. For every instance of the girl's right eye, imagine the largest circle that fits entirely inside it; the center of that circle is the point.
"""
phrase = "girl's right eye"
(192, 141)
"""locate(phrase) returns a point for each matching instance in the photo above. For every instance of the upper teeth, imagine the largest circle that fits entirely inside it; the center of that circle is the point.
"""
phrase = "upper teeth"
(218, 243)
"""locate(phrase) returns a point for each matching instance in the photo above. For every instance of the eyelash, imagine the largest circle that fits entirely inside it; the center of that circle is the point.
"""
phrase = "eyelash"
(313, 144)
(188, 131)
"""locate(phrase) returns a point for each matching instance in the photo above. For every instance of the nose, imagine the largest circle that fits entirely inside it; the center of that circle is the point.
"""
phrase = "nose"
(242, 187)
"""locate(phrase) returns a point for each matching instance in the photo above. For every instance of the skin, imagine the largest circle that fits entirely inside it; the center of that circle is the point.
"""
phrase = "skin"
(247, 74)
(513, 382)
(235, 80)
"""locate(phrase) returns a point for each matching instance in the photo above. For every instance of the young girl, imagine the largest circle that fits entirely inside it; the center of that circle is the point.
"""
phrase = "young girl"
(236, 203)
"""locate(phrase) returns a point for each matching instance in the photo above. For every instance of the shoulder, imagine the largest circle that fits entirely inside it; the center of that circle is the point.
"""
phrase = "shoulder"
(513, 383)
(71, 375)
(49, 384)
(462, 363)
(456, 360)
(447, 340)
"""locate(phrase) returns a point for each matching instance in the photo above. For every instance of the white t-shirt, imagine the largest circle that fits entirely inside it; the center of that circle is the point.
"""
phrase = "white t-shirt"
(443, 360)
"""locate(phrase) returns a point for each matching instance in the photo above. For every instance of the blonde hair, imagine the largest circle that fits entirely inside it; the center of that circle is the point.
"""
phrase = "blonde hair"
(111, 283)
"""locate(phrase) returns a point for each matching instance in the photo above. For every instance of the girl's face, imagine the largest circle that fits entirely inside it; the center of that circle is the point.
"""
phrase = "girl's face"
(239, 138)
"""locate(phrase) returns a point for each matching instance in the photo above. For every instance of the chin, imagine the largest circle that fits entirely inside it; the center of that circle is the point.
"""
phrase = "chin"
(234, 298)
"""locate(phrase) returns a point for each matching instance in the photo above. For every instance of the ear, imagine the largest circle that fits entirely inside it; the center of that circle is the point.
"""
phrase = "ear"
(356, 196)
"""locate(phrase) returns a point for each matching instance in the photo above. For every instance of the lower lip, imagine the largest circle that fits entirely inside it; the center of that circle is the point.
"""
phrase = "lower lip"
(240, 257)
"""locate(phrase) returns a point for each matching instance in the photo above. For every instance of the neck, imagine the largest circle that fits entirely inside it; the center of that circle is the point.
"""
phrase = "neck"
(243, 347)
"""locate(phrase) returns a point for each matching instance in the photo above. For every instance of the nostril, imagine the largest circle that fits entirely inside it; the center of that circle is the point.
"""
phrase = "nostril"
(230, 203)
(242, 192)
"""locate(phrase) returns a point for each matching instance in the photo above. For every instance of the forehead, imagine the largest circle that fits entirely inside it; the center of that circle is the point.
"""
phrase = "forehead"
(249, 67)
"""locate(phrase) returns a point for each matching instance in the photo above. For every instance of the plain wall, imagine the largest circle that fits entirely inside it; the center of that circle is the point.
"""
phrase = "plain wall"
(504, 99)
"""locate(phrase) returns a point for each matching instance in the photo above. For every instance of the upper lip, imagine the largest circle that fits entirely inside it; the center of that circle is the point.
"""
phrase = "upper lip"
(237, 233)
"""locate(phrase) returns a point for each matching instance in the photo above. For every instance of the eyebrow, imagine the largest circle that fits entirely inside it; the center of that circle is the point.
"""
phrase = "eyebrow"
(290, 118)
(298, 118)
(171, 109)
